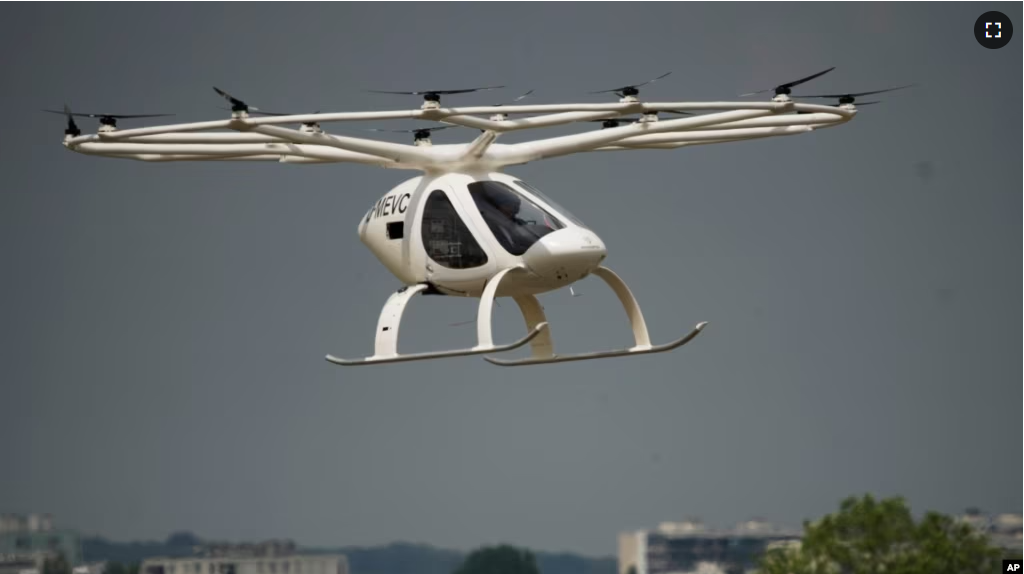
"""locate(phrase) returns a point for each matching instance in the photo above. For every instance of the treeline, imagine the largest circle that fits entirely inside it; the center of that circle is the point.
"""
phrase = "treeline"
(398, 558)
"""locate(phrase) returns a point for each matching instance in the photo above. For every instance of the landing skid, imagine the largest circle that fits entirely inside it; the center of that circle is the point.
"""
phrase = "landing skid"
(543, 349)
(538, 332)
(598, 354)
(386, 344)
(375, 360)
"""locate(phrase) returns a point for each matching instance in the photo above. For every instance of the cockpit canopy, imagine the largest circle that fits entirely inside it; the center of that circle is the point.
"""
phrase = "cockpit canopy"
(516, 222)
(512, 211)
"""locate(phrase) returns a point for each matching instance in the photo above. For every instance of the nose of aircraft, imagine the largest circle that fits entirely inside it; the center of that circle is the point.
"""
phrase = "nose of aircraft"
(566, 254)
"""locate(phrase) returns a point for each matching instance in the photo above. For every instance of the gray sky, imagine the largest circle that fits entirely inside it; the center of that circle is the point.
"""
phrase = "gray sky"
(163, 326)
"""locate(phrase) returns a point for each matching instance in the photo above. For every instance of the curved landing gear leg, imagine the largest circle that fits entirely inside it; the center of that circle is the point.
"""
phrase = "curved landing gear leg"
(385, 348)
(543, 351)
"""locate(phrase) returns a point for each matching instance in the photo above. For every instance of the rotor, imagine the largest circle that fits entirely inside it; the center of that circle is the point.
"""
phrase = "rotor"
(784, 89)
(72, 128)
(237, 105)
(109, 120)
(432, 98)
(631, 90)
(852, 97)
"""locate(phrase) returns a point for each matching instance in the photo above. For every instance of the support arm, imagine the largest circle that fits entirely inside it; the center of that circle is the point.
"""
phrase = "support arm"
(553, 147)
(390, 152)
(214, 151)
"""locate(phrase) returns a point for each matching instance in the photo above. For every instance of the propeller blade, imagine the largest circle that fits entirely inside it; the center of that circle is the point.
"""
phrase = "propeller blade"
(784, 88)
(228, 96)
(237, 105)
(72, 128)
(654, 80)
(398, 93)
(410, 131)
(67, 112)
(438, 92)
(808, 78)
(618, 91)
(253, 112)
(524, 96)
(858, 94)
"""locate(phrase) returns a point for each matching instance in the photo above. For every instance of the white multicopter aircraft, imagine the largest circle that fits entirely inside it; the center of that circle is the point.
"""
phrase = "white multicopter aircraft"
(464, 228)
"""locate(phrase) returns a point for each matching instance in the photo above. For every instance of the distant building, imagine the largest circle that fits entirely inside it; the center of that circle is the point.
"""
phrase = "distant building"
(678, 547)
(90, 568)
(25, 523)
(272, 557)
(691, 547)
(1004, 530)
(26, 541)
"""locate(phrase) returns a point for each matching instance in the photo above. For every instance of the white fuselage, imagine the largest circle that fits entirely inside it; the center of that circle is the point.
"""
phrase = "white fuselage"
(455, 231)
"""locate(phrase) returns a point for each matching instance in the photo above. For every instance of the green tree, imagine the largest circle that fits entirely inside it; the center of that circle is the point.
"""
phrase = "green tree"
(115, 567)
(502, 559)
(872, 537)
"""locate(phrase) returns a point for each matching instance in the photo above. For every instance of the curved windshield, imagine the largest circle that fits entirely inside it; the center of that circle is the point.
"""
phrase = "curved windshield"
(516, 222)
(561, 210)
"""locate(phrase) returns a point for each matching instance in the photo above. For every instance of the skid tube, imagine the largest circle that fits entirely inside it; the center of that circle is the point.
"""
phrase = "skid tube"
(542, 349)
(386, 343)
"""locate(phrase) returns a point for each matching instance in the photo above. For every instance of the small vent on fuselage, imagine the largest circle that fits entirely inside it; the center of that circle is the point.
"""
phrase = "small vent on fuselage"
(396, 229)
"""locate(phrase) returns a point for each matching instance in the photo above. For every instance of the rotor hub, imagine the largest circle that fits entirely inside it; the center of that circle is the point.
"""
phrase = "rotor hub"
(421, 138)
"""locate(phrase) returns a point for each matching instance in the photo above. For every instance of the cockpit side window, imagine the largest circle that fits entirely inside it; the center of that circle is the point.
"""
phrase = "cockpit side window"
(516, 222)
(445, 236)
